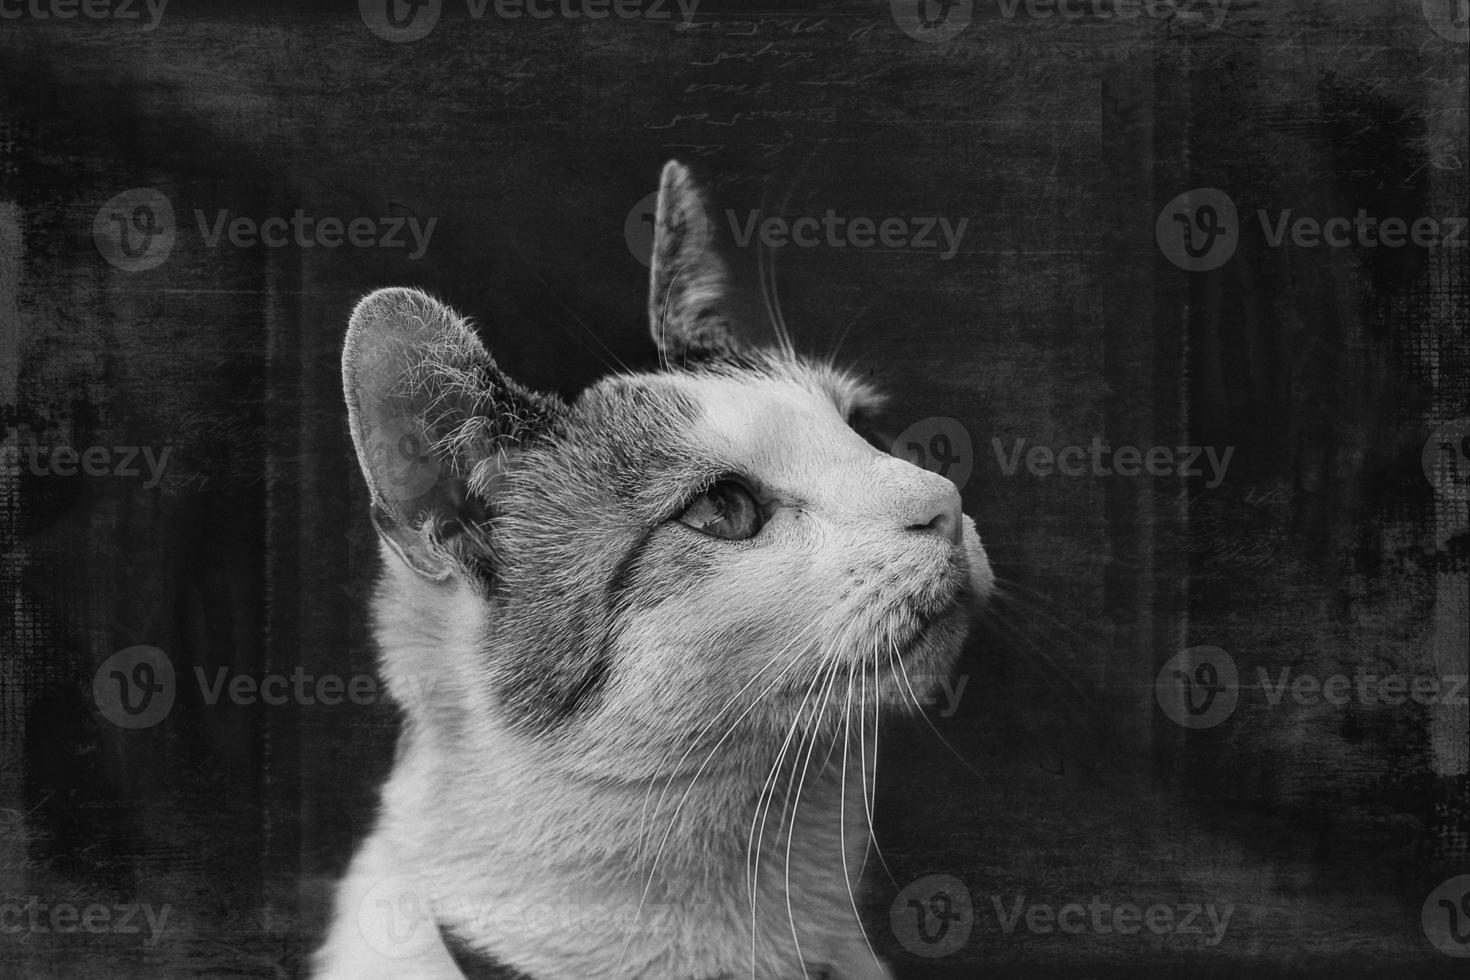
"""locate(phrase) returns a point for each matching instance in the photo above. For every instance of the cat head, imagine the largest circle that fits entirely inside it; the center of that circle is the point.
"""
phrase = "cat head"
(669, 556)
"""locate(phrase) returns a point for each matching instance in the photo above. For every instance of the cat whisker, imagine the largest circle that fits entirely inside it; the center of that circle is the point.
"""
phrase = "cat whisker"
(870, 790)
(842, 811)
(673, 820)
(842, 336)
(555, 295)
(919, 710)
(830, 668)
(766, 269)
(762, 817)
(1080, 695)
(732, 702)
(862, 769)
(1006, 593)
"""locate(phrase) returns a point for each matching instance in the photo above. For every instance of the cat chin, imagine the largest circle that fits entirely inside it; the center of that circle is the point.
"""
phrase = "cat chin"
(903, 679)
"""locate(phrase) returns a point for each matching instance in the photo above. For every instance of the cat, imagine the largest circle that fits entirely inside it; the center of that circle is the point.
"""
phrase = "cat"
(637, 639)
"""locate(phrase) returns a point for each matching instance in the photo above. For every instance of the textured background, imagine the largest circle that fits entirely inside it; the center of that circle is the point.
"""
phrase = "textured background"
(1325, 549)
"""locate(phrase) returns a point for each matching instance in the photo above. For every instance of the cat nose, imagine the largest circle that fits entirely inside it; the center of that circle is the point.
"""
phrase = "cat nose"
(937, 511)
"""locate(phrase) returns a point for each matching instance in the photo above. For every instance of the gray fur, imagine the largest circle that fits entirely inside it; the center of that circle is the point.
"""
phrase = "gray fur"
(601, 701)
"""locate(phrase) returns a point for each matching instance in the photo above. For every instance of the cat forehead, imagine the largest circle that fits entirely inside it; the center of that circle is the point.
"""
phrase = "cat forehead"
(729, 408)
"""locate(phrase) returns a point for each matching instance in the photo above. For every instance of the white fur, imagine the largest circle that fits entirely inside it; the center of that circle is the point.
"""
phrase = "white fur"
(542, 852)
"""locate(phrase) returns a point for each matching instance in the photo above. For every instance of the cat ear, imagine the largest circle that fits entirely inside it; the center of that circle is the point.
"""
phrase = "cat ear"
(432, 418)
(689, 285)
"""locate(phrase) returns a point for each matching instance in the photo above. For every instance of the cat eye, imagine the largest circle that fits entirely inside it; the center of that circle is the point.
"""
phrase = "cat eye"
(726, 510)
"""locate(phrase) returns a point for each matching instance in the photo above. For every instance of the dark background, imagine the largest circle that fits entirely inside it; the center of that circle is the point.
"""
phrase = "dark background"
(1325, 550)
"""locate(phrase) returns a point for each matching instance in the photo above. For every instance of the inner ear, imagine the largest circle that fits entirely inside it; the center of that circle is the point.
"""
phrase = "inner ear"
(689, 301)
(433, 419)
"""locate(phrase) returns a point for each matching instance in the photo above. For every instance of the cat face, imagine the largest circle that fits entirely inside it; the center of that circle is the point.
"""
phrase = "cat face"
(674, 556)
